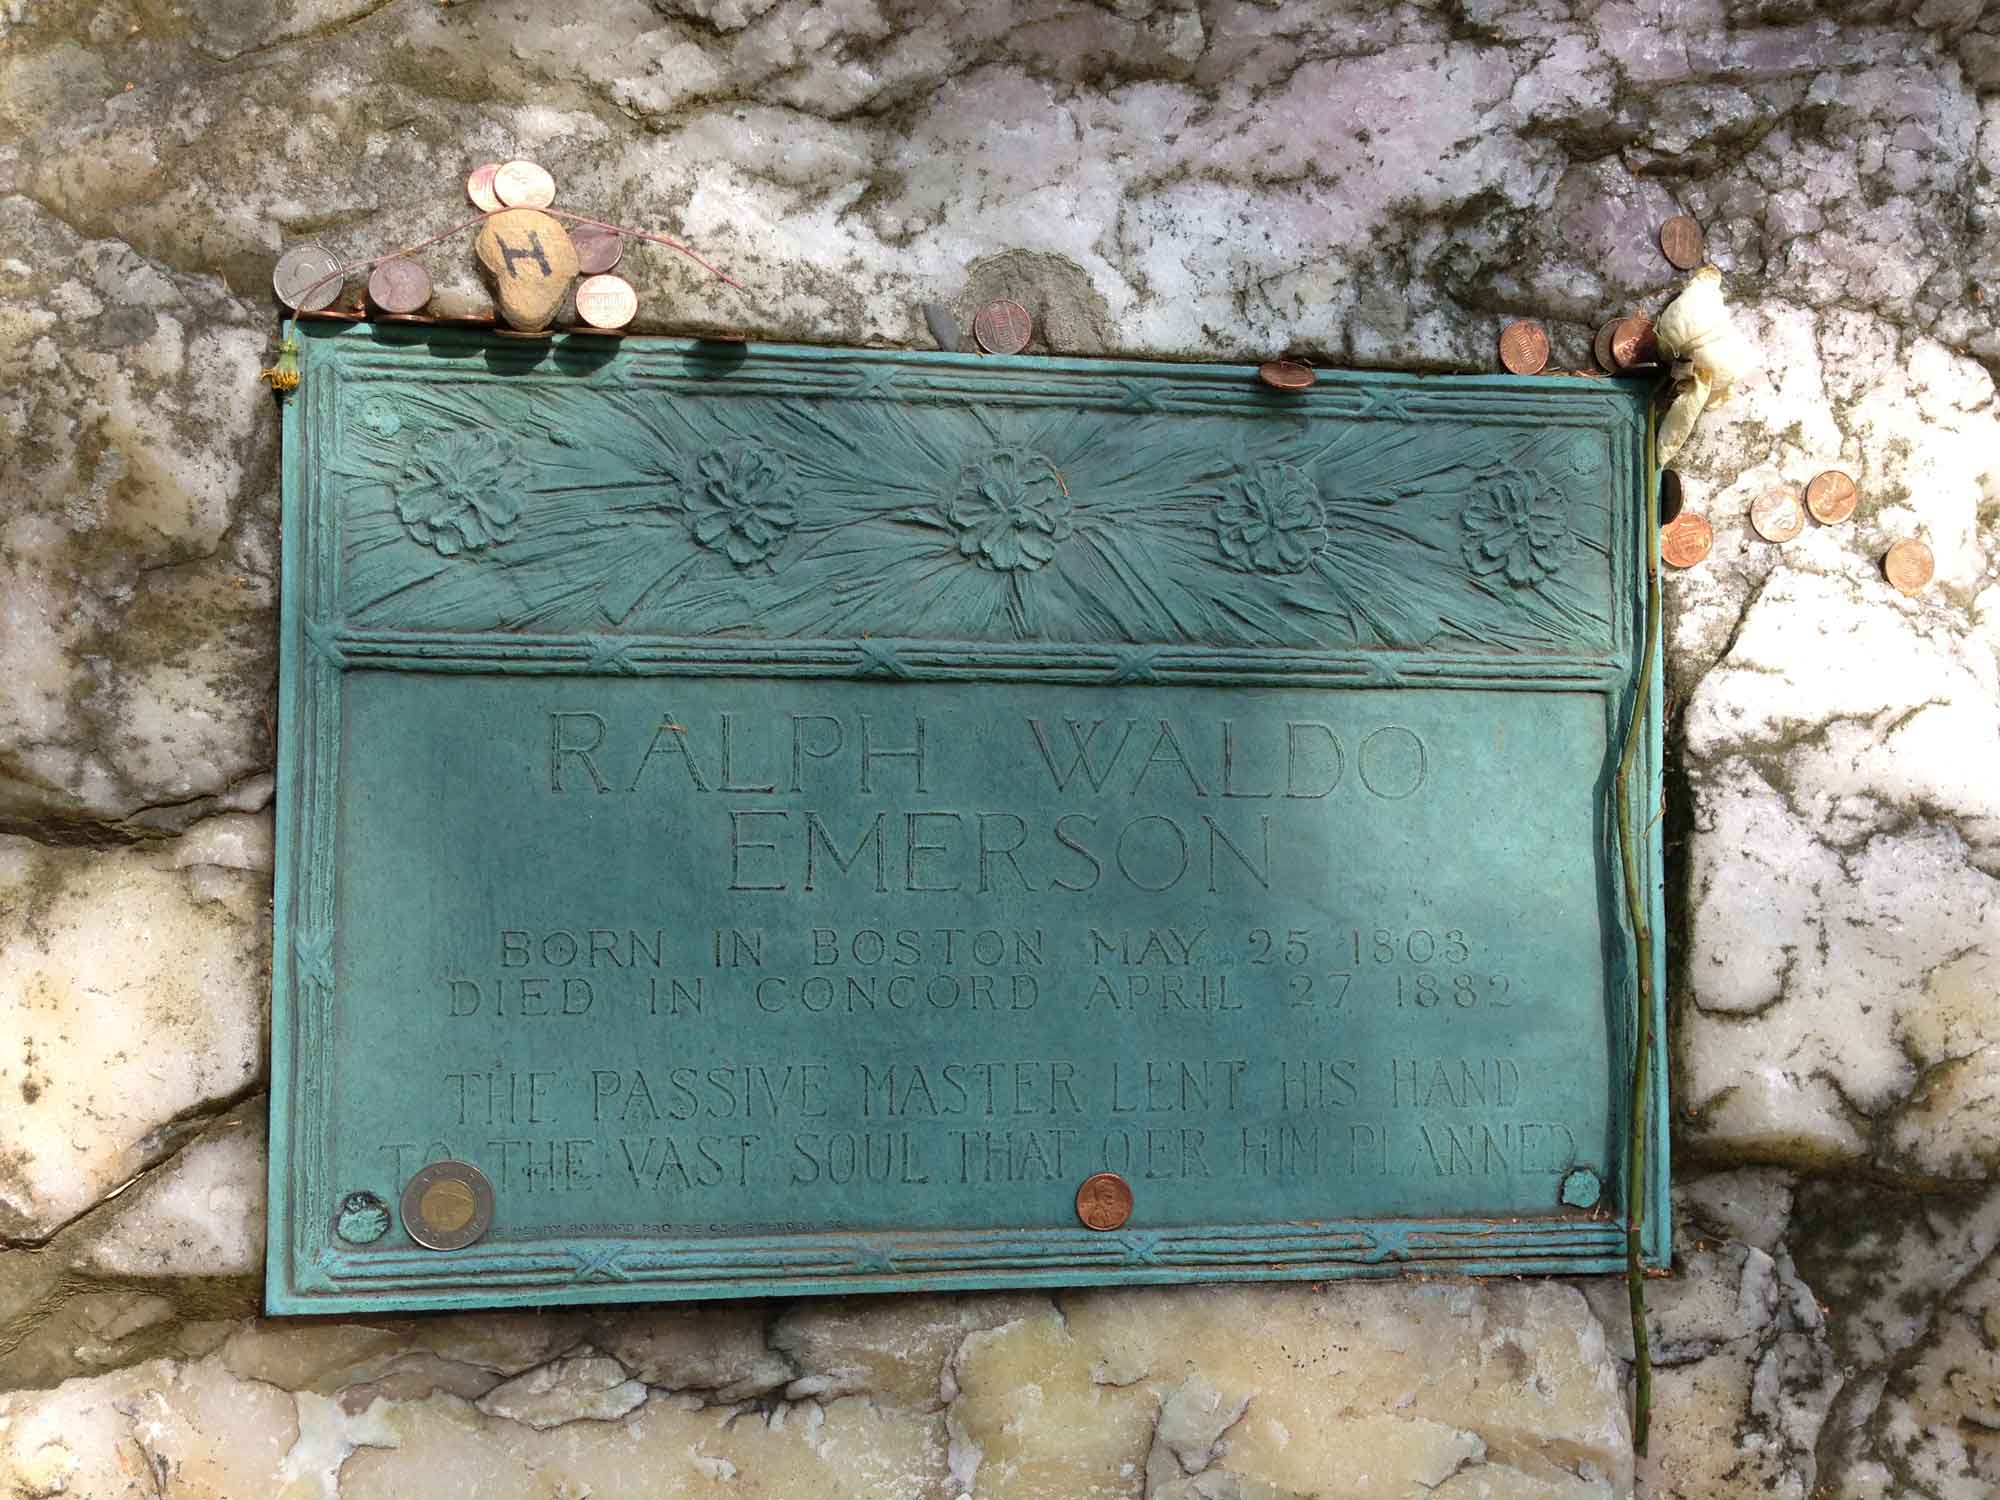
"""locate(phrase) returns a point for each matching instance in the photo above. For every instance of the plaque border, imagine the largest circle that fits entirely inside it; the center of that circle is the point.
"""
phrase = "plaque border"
(307, 1271)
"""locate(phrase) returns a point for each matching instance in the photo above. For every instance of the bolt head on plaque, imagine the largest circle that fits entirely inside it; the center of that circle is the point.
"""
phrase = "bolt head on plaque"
(448, 1205)
(362, 1220)
(1582, 1188)
(1104, 1201)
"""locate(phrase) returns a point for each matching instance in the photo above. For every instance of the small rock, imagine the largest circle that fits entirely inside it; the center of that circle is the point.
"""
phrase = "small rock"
(588, 1387)
(532, 262)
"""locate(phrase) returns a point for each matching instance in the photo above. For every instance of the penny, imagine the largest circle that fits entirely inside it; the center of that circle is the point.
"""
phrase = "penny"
(479, 188)
(1600, 347)
(597, 250)
(1685, 540)
(307, 278)
(399, 286)
(1634, 343)
(606, 301)
(1003, 327)
(1909, 565)
(1777, 516)
(1680, 242)
(1285, 374)
(1524, 348)
(1830, 497)
(1104, 1201)
(522, 184)
(448, 1205)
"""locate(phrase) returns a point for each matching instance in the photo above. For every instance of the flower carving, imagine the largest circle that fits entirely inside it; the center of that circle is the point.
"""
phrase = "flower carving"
(1011, 509)
(1515, 529)
(1271, 519)
(742, 502)
(450, 495)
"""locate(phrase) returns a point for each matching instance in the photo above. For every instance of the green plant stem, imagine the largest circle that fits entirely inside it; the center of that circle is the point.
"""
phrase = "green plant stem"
(1636, 907)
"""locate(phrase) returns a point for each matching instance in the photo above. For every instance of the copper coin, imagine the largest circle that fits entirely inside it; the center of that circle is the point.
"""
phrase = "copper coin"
(1778, 516)
(399, 286)
(1600, 347)
(447, 1205)
(307, 278)
(522, 184)
(1003, 327)
(1633, 343)
(1680, 242)
(1830, 497)
(1285, 374)
(1524, 348)
(479, 188)
(1104, 1201)
(1909, 565)
(597, 250)
(606, 301)
(1685, 540)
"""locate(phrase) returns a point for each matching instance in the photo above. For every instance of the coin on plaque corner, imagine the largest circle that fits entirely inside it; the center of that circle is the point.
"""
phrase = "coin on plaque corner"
(448, 1205)
(1830, 497)
(597, 250)
(606, 301)
(307, 278)
(1777, 516)
(1286, 374)
(522, 184)
(1633, 343)
(1680, 242)
(1600, 347)
(1524, 348)
(1909, 565)
(532, 262)
(479, 188)
(1685, 540)
(399, 286)
(1003, 327)
(1104, 1201)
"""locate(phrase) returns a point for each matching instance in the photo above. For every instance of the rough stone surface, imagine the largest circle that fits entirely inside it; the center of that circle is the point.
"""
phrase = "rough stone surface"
(1378, 184)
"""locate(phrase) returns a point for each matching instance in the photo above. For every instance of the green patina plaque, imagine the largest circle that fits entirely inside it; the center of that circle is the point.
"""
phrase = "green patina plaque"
(787, 817)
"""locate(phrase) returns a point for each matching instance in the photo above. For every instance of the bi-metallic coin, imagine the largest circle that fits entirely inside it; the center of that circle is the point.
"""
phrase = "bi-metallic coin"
(307, 278)
(448, 1205)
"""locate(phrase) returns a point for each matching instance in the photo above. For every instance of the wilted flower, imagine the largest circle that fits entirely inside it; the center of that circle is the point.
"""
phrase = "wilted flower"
(1010, 510)
(450, 495)
(1271, 518)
